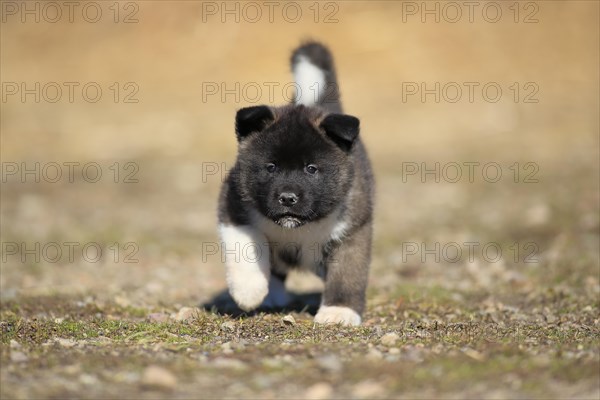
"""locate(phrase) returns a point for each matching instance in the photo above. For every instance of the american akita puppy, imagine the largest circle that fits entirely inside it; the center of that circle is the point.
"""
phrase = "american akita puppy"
(300, 196)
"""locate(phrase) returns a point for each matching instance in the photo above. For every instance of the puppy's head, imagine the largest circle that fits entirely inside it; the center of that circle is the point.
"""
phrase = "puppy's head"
(295, 162)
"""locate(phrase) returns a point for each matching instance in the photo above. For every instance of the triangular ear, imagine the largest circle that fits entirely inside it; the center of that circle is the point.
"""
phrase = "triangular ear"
(342, 129)
(252, 119)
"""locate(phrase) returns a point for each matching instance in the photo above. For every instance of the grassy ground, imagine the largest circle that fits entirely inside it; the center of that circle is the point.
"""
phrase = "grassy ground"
(59, 347)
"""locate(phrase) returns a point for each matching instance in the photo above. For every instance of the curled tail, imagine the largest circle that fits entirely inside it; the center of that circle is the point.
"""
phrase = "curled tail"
(314, 74)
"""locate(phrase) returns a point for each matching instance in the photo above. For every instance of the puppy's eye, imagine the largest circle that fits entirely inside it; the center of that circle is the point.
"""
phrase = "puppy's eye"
(311, 169)
(271, 167)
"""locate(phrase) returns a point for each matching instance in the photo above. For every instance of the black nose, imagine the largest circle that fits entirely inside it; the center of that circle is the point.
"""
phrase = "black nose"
(288, 199)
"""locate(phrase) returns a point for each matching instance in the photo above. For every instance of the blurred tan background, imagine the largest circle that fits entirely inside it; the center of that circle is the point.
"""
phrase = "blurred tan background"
(170, 53)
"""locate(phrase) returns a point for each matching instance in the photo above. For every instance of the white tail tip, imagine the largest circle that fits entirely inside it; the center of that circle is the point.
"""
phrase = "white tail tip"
(310, 82)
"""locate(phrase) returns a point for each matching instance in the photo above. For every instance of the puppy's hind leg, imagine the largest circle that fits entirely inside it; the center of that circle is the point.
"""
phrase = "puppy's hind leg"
(247, 263)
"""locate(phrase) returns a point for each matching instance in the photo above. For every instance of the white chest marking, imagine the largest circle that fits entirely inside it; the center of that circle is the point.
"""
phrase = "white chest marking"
(310, 239)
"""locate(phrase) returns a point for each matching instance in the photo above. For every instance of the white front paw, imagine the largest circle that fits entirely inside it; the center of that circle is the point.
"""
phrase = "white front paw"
(249, 295)
(248, 272)
(337, 315)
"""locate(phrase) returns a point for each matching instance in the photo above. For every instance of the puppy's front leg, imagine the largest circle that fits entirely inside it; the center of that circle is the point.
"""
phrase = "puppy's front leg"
(247, 263)
(347, 274)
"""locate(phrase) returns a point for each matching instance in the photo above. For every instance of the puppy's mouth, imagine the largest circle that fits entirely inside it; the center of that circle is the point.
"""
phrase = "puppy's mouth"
(289, 221)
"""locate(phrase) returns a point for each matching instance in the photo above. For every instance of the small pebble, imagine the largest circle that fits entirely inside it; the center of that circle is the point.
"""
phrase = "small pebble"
(551, 318)
(88, 379)
(474, 354)
(389, 339)
(289, 320)
(374, 355)
(18, 356)
(226, 347)
(319, 391)
(330, 362)
(159, 378)
(68, 343)
(367, 390)
(228, 326)
(186, 314)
